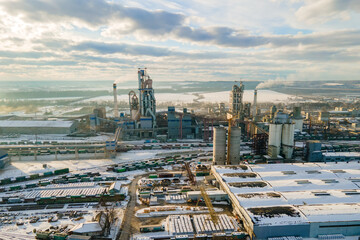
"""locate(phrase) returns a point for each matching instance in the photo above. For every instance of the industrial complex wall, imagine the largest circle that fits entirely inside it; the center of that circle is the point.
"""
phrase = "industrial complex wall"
(36, 130)
(347, 228)
(265, 232)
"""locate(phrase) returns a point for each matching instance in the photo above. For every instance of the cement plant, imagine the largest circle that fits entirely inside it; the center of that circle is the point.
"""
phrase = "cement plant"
(240, 163)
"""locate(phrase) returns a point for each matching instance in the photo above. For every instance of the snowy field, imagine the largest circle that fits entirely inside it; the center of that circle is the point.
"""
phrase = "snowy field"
(223, 96)
(26, 167)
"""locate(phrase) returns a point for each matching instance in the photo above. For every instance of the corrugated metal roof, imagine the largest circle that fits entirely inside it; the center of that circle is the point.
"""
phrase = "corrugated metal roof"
(54, 124)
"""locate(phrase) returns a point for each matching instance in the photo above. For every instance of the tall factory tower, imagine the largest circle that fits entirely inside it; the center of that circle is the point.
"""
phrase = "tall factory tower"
(147, 100)
(236, 100)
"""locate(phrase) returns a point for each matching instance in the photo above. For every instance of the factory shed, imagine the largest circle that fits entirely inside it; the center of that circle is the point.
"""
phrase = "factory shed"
(87, 229)
(37, 127)
(4, 158)
(213, 195)
(341, 156)
(311, 199)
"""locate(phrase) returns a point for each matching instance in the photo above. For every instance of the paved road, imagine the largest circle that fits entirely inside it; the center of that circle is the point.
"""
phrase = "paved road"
(130, 211)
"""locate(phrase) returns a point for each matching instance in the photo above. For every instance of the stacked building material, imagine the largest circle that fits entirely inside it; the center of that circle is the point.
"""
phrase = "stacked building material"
(180, 225)
(204, 225)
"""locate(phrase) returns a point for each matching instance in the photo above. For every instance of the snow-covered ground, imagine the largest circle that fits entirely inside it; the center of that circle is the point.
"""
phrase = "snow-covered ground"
(30, 166)
(262, 96)
(223, 96)
(54, 137)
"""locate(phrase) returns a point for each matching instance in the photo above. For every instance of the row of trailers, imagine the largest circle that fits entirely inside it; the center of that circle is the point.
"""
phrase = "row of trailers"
(66, 179)
(35, 176)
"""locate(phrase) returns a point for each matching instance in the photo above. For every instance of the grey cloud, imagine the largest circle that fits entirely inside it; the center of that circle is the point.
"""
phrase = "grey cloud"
(38, 63)
(143, 50)
(97, 13)
(94, 13)
(13, 54)
(325, 10)
(127, 49)
(222, 36)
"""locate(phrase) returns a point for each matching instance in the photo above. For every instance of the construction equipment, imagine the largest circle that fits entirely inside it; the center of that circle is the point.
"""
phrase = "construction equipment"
(209, 205)
(190, 174)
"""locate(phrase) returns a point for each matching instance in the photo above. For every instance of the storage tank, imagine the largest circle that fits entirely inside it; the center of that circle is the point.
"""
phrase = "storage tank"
(297, 113)
(298, 118)
(219, 146)
(288, 140)
(275, 137)
(299, 124)
(235, 139)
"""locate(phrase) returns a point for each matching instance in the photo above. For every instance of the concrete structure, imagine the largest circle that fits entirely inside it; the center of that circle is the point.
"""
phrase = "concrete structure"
(116, 108)
(298, 119)
(324, 116)
(235, 140)
(287, 140)
(236, 100)
(179, 124)
(274, 139)
(313, 151)
(134, 106)
(219, 146)
(254, 111)
(281, 136)
(147, 96)
(37, 127)
(303, 200)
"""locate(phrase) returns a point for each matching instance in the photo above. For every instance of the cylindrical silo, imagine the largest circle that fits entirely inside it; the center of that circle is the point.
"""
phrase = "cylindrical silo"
(275, 138)
(288, 140)
(299, 124)
(235, 139)
(219, 146)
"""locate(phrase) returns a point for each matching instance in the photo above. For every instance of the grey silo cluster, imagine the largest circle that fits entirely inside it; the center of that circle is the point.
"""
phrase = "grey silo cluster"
(281, 136)
(219, 145)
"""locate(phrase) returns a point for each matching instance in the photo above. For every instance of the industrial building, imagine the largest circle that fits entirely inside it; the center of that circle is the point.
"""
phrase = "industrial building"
(215, 196)
(314, 154)
(179, 124)
(37, 127)
(4, 158)
(236, 100)
(311, 199)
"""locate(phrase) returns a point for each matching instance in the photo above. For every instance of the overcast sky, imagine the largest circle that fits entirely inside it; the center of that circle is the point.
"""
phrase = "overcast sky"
(180, 40)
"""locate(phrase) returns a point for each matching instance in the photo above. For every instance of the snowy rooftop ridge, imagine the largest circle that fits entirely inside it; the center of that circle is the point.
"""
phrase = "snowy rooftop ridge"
(18, 123)
(310, 189)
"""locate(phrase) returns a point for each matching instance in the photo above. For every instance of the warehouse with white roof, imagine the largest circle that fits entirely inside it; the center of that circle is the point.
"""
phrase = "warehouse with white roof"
(37, 127)
(301, 200)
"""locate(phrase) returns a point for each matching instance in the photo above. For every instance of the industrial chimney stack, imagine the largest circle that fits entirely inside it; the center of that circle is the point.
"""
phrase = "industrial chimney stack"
(116, 110)
(255, 104)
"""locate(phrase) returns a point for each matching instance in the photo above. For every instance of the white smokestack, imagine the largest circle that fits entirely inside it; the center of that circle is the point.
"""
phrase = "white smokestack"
(116, 110)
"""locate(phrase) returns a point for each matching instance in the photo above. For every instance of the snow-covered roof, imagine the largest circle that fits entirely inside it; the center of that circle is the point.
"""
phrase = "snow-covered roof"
(331, 212)
(210, 193)
(330, 186)
(341, 154)
(17, 123)
(86, 227)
